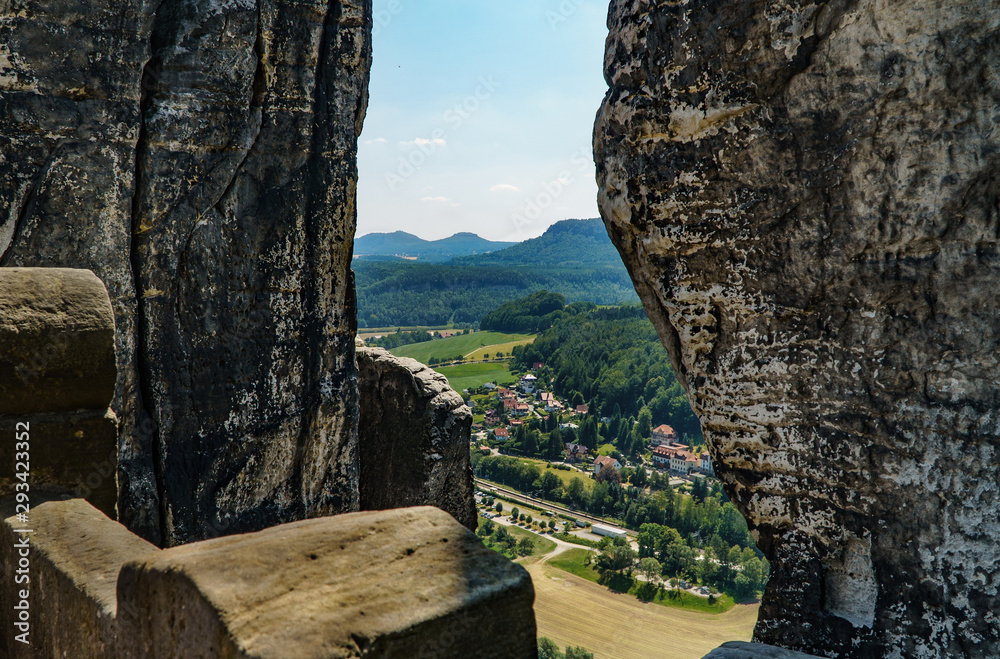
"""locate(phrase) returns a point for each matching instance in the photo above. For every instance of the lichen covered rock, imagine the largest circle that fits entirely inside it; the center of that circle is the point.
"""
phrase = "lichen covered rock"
(806, 198)
(200, 158)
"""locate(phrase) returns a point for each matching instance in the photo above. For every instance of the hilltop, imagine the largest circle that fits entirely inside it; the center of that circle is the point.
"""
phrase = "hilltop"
(565, 244)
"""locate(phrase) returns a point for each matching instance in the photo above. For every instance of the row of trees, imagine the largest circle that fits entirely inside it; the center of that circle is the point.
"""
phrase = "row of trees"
(696, 518)
(663, 554)
(547, 649)
(400, 338)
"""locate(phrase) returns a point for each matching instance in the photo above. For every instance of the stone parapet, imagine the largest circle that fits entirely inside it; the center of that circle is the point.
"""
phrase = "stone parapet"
(408, 583)
(71, 560)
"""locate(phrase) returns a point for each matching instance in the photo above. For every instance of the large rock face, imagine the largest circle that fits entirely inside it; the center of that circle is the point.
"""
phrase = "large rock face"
(200, 158)
(413, 438)
(806, 197)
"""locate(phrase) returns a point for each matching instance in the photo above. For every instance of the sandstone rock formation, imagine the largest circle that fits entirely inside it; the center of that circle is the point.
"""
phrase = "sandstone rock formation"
(402, 583)
(200, 158)
(74, 555)
(57, 377)
(806, 197)
(413, 438)
(410, 583)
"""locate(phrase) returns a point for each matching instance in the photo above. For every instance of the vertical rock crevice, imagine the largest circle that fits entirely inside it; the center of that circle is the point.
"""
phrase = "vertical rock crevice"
(199, 157)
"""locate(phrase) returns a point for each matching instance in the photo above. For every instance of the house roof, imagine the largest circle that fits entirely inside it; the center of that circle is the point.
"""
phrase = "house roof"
(501, 432)
(582, 409)
(663, 429)
(675, 454)
(605, 460)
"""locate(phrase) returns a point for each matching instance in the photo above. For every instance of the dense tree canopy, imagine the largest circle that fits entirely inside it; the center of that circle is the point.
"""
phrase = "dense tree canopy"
(526, 315)
(614, 359)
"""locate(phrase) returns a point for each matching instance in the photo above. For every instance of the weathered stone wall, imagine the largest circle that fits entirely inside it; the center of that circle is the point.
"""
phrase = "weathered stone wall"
(200, 158)
(806, 197)
(72, 559)
(57, 376)
(407, 583)
(402, 583)
(413, 438)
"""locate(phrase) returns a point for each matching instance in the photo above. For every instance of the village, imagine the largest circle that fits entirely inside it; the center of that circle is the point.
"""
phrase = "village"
(505, 411)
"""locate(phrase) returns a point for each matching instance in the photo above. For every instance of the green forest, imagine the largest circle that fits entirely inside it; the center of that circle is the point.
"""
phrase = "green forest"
(574, 258)
(535, 313)
(612, 359)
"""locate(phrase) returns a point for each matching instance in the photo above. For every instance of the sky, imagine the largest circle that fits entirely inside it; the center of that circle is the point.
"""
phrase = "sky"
(480, 116)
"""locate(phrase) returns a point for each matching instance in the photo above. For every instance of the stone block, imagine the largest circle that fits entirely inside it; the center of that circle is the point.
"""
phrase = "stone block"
(74, 556)
(57, 333)
(400, 583)
(57, 378)
(413, 438)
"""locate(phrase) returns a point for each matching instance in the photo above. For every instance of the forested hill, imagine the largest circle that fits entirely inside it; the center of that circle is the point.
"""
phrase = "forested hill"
(402, 244)
(614, 359)
(574, 258)
(570, 243)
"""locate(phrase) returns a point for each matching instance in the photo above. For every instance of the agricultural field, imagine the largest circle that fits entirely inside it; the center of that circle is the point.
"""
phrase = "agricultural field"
(573, 611)
(382, 331)
(470, 376)
(502, 348)
(462, 344)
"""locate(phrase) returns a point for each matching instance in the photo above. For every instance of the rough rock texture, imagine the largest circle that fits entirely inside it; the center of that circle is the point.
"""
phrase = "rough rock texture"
(57, 378)
(806, 196)
(741, 650)
(413, 438)
(69, 121)
(75, 555)
(200, 158)
(403, 583)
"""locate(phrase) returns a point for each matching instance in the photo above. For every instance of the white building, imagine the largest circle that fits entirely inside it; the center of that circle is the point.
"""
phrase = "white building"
(528, 383)
(598, 529)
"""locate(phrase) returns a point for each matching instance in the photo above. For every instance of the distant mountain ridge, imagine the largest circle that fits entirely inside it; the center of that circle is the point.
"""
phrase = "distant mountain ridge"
(400, 244)
(568, 243)
(574, 258)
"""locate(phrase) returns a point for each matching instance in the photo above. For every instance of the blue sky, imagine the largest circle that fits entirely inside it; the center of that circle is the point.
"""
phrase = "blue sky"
(481, 116)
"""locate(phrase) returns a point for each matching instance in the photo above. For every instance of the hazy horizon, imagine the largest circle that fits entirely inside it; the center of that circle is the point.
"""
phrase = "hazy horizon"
(480, 117)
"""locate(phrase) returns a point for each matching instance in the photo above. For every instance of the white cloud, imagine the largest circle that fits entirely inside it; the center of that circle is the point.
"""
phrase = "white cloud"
(442, 200)
(423, 142)
(377, 140)
(504, 187)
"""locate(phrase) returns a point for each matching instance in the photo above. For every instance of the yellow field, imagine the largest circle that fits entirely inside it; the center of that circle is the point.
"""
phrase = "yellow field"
(574, 611)
(505, 348)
